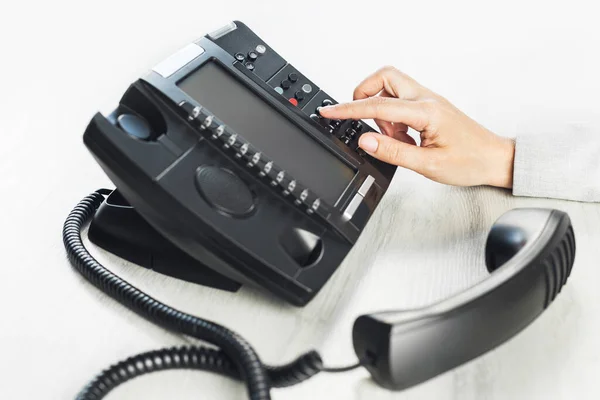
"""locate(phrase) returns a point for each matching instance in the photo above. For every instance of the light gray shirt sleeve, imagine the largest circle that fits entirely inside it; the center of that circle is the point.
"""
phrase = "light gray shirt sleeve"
(558, 166)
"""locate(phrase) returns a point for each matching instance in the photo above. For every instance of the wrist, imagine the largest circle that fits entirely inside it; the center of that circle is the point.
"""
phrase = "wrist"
(502, 163)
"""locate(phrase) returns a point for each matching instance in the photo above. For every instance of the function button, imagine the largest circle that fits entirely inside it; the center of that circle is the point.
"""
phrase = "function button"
(207, 122)
(231, 141)
(240, 57)
(299, 95)
(224, 191)
(302, 198)
(250, 66)
(218, 132)
(293, 101)
(243, 150)
(185, 106)
(274, 175)
(366, 185)
(315, 118)
(134, 126)
(285, 84)
(306, 88)
(280, 177)
(254, 160)
(315, 206)
(352, 207)
(293, 77)
(266, 169)
(326, 102)
(279, 90)
(318, 111)
(252, 55)
(195, 113)
(261, 49)
(357, 125)
(290, 188)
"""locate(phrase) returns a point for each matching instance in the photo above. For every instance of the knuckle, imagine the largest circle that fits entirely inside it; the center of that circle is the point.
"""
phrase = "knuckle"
(431, 109)
(379, 103)
(388, 69)
(428, 106)
(379, 100)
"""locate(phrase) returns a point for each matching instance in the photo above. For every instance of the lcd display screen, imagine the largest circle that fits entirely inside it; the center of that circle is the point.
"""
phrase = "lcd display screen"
(268, 130)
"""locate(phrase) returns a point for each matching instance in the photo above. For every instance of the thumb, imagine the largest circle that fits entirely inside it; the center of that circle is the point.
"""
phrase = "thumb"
(393, 151)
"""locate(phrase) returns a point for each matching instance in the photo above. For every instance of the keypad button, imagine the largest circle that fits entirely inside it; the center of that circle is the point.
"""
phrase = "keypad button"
(315, 118)
(252, 56)
(250, 66)
(293, 77)
(240, 57)
(326, 102)
(285, 84)
(357, 125)
(335, 123)
(261, 49)
(299, 95)
(306, 88)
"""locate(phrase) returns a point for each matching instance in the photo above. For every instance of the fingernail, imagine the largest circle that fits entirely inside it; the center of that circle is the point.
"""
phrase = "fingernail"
(368, 143)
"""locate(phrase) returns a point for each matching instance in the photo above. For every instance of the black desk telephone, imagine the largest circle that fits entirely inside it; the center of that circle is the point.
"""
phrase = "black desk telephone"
(228, 175)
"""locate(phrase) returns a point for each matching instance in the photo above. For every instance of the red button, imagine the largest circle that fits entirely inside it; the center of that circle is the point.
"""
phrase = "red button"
(294, 101)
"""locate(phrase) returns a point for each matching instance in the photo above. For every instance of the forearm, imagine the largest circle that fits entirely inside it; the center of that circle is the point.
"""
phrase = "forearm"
(558, 166)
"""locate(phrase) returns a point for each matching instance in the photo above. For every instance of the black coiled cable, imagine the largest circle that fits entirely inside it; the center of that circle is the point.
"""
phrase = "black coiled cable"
(234, 357)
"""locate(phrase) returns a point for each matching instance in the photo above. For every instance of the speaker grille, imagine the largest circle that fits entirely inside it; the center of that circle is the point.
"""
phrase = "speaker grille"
(558, 265)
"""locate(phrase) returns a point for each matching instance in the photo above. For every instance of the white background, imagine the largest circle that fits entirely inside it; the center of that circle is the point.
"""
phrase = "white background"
(516, 67)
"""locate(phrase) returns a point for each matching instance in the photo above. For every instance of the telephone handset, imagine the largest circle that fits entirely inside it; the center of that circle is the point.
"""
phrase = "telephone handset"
(223, 164)
(529, 252)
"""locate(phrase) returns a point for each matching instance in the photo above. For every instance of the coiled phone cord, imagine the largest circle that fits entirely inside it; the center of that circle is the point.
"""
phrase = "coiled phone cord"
(234, 357)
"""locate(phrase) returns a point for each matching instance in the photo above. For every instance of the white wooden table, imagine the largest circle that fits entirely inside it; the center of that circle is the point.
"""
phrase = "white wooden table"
(515, 69)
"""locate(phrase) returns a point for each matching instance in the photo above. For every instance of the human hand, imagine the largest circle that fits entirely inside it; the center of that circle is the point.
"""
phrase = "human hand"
(454, 149)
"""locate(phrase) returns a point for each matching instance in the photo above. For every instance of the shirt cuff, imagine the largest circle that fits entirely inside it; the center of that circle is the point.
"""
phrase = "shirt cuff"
(556, 166)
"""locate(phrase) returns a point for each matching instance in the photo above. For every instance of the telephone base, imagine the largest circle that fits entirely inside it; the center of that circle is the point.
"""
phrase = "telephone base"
(119, 229)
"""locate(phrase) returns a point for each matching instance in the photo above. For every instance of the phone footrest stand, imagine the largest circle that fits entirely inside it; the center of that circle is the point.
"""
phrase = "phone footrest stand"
(119, 229)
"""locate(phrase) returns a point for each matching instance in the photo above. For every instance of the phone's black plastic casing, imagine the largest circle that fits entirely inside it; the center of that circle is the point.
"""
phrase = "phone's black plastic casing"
(287, 241)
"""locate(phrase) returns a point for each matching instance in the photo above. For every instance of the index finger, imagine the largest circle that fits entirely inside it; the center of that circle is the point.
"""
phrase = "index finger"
(411, 113)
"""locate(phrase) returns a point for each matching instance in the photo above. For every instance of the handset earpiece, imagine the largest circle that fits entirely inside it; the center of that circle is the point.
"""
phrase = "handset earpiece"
(530, 253)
